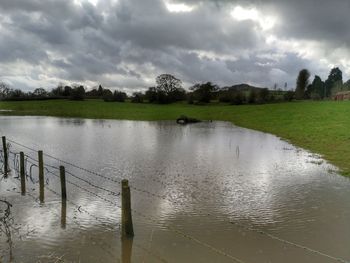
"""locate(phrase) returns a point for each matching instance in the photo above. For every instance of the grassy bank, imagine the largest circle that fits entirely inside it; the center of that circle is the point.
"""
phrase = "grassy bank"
(322, 127)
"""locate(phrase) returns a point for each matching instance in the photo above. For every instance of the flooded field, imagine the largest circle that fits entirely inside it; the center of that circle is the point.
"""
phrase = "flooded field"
(207, 192)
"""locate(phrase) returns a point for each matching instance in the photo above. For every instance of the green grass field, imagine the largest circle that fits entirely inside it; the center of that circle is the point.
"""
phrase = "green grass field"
(321, 127)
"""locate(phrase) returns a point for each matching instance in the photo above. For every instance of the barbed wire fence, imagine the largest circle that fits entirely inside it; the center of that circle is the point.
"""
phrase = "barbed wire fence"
(106, 247)
(31, 162)
(136, 212)
(30, 175)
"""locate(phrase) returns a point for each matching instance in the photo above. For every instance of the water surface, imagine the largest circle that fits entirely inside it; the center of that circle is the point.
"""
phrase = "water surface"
(208, 192)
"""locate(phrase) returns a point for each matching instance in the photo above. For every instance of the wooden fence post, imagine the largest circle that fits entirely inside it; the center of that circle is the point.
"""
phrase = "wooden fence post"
(64, 197)
(127, 226)
(22, 172)
(63, 214)
(63, 183)
(6, 161)
(41, 175)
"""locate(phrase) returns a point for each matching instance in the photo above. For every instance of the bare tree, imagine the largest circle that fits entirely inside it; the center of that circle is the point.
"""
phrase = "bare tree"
(168, 84)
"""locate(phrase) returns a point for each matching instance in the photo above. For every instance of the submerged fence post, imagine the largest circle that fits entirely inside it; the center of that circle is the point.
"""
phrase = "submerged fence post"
(41, 175)
(63, 214)
(63, 183)
(6, 161)
(127, 227)
(22, 172)
(64, 197)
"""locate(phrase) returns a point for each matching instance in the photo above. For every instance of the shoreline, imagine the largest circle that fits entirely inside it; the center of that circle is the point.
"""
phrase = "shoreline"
(319, 127)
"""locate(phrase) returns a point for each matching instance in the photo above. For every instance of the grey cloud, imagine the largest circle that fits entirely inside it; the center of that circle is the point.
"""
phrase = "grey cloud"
(122, 43)
(319, 20)
(14, 47)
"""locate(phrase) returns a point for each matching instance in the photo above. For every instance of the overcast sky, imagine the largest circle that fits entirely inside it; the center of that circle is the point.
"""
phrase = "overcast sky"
(125, 44)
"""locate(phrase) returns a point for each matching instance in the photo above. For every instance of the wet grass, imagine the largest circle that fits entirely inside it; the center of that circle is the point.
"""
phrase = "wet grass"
(322, 127)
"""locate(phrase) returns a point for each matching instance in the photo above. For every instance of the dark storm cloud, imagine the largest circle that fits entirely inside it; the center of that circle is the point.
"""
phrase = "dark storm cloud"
(127, 43)
(319, 20)
(155, 28)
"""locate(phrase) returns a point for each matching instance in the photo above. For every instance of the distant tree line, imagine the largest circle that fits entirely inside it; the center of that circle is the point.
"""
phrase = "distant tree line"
(74, 92)
(169, 89)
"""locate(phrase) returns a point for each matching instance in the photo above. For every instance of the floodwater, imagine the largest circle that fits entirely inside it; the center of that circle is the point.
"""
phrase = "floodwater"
(207, 192)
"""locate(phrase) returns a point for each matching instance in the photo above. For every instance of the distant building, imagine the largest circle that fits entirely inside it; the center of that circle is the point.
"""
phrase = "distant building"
(343, 95)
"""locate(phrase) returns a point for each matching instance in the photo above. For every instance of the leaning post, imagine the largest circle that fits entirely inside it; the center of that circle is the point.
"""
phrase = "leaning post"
(127, 226)
(41, 175)
(6, 161)
(22, 173)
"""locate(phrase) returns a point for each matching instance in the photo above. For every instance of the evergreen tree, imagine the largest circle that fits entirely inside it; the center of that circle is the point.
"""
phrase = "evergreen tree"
(302, 83)
(346, 85)
(335, 80)
(100, 91)
(317, 88)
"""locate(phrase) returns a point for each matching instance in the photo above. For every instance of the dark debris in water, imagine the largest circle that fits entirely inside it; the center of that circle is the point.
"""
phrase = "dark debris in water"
(186, 120)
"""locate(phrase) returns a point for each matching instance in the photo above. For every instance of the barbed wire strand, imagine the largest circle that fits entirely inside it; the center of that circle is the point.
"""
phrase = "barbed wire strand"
(79, 178)
(92, 172)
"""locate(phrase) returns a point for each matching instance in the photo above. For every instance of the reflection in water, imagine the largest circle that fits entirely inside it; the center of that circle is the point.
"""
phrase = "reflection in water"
(126, 249)
(6, 227)
(72, 121)
(213, 177)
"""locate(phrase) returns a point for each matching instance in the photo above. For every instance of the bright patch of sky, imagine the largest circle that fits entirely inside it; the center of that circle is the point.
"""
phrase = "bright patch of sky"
(178, 7)
(266, 22)
(79, 2)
